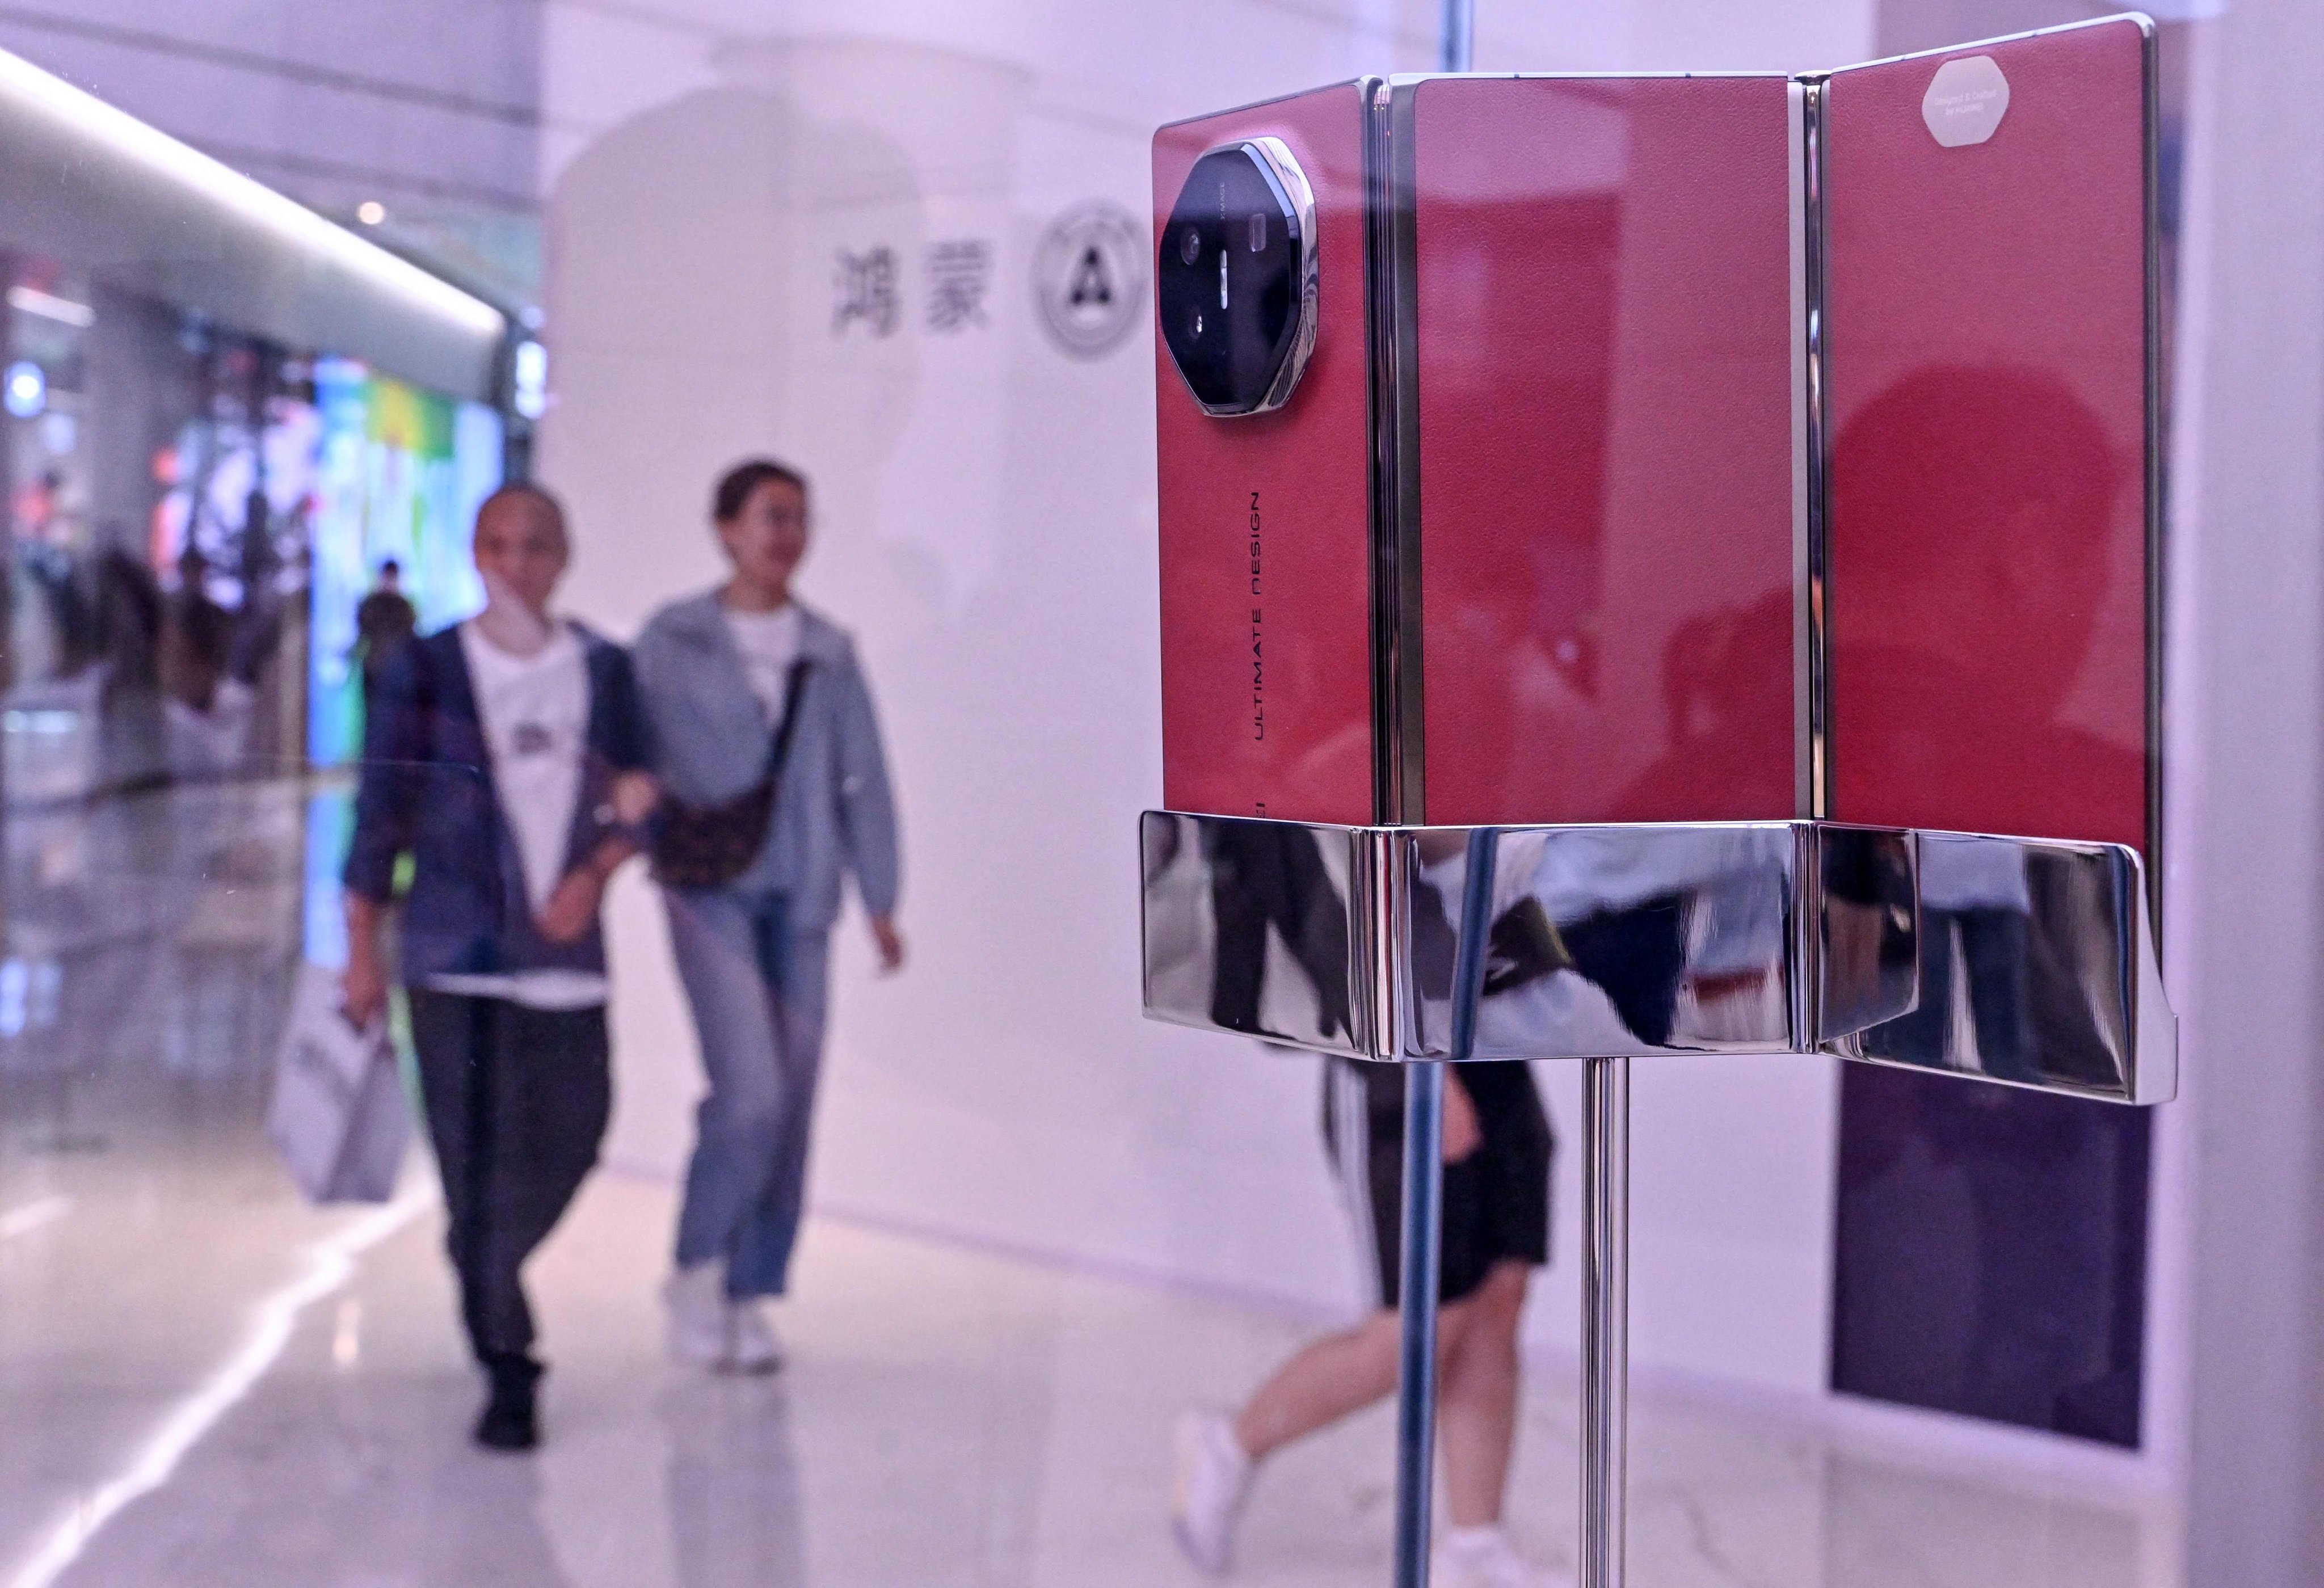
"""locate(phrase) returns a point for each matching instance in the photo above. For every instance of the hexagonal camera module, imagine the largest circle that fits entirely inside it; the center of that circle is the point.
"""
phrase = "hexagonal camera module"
(1236, 287)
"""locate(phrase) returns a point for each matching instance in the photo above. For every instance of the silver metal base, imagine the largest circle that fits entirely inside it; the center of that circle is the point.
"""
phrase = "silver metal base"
(1403, 944)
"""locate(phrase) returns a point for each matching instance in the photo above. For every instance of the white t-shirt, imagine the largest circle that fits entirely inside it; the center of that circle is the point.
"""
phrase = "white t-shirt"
(534, 711)
(770, 643)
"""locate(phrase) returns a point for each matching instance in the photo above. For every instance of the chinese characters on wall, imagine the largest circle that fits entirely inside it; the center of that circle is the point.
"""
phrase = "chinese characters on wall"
(954, 288)
(1089, 276)
(866, 291)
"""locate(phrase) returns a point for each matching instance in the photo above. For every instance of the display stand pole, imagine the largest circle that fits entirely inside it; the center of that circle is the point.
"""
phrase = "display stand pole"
(1423, 1172)
(1605, 1316)
(1422, 1242)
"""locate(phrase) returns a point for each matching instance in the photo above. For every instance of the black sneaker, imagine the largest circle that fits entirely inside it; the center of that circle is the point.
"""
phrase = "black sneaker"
(510, 1421)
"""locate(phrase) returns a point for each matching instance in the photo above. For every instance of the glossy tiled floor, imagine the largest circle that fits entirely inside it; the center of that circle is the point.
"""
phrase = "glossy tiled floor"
(949, 1417)
(204, 1383)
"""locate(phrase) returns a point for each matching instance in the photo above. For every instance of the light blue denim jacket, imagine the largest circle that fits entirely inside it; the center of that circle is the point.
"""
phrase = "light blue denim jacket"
(709, 734)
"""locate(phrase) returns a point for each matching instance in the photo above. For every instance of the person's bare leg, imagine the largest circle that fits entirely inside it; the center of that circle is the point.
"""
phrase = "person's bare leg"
(1476, 1399)
(1332, 1377)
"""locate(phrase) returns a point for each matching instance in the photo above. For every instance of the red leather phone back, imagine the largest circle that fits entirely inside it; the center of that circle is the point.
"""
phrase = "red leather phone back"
(1265, 522)
(1987, 386)
(1604, 398)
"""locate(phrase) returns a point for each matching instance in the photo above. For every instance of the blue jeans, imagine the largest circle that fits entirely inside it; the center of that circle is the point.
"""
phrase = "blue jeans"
(757, 991)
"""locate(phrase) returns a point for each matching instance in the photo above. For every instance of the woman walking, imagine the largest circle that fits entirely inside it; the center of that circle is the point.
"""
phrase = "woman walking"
(1497, 1149)
(505, 756)
(765, 738)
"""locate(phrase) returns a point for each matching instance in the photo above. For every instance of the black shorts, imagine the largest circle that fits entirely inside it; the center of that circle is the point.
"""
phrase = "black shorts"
(1495, 1200)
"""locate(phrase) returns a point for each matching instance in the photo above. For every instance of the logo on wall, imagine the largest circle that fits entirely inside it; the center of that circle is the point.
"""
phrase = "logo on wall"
(1089, 277)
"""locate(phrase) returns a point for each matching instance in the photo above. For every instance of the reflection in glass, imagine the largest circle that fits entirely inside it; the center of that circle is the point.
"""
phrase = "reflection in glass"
(735, 1514)
(1991, 1252)
(1247, 928)
(2034, 969)
(1973, 969)
(1596, 929)
(1267, 875)
(1493, 943)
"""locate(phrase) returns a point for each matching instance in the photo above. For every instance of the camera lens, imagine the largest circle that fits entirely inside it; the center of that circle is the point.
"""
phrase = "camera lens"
(1236, 290)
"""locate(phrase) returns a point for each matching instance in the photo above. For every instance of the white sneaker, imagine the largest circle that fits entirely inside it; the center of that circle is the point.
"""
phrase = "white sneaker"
(753, 1348)
(1483, 1557)
(1213, 1480)
(699, 1333)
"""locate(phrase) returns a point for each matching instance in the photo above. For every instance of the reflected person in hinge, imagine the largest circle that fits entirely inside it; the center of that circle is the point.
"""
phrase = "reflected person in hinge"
(505, 755)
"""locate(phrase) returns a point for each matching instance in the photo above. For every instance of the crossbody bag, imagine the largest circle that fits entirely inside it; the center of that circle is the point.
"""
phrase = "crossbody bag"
(710, 845)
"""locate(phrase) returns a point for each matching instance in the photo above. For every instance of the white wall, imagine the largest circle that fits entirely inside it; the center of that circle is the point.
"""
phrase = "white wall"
(2241, 1390)
(985, 518)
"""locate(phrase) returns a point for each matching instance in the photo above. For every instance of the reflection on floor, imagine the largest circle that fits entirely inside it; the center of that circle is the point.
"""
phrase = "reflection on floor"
(204, 1383)
(949, 1417)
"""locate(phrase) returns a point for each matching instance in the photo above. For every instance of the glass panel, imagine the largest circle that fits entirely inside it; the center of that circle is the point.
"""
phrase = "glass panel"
(913, 255)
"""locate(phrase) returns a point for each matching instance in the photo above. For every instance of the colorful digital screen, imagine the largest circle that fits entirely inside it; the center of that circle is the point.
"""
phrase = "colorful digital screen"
(399, 474)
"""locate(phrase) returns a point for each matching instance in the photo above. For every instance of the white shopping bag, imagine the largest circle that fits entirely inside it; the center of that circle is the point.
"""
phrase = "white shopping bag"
(339, 1118)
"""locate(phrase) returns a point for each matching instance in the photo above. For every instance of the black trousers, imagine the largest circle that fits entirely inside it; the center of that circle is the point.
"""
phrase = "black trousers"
(1496, 1204)
(517, 1103)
